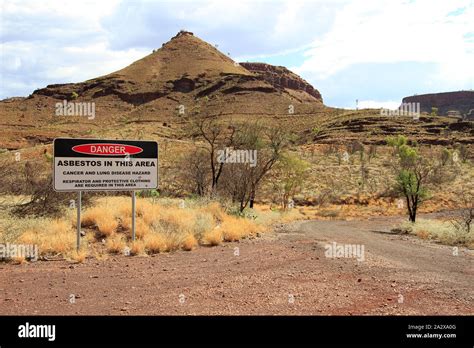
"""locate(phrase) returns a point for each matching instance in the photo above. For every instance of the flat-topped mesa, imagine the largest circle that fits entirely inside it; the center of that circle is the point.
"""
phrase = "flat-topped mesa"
(461, 102)
(281, 77)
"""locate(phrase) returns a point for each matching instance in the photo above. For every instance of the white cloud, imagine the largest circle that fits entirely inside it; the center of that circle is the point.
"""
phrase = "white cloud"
(54, 42)
(372, 31)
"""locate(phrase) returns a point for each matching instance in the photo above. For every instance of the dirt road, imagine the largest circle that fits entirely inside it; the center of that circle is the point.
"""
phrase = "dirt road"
(282, 272)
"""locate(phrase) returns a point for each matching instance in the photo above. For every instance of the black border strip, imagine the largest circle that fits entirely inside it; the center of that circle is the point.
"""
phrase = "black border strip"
(225, 330)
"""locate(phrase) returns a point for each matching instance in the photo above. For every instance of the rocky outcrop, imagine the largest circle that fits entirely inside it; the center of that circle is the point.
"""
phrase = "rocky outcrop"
(183, 85)
(281, 77)
(181, 33)
(97, 88)
(461, 101)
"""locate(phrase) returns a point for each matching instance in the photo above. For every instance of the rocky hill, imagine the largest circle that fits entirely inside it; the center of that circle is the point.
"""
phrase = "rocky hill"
(185, 76)
(185, 65)
(461, 101)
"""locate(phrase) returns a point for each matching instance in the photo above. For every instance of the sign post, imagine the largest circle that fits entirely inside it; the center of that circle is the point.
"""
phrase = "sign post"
(133, 215)
(78, 237)
(104, 165)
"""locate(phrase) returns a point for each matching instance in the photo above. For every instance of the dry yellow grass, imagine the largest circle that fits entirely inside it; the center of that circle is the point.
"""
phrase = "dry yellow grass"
(215, 209)
(172, 219)
(173, 241)
(102, 217)
(160, 227)
(115, 244)
(155, 243)
(107, 225)
(232, 232)
(151, 214)
(189, 242)
(213, 237)
(54, 236)
(91, 216)
(143, 206)
(123, 206)
(291, 215)
(18, 260)
(234, 228)
(89, 237)
(442, 231)
(78, 256)
(126, 223)
(204, 222)
(423, 234)
(137, 247)
(141, 228)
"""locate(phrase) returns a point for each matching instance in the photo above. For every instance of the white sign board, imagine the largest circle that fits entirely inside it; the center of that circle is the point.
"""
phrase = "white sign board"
(105, 165)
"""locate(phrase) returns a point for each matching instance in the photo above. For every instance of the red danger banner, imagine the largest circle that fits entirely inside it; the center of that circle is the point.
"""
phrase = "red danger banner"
(107, 149)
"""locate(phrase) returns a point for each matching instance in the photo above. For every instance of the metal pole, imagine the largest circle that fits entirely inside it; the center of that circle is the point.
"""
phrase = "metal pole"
(79, 201)
(133, 215)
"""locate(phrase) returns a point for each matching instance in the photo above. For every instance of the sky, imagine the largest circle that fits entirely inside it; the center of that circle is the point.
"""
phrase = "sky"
(372, 51)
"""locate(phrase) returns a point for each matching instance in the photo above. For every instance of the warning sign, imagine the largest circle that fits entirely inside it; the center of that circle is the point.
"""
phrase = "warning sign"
(105, 165)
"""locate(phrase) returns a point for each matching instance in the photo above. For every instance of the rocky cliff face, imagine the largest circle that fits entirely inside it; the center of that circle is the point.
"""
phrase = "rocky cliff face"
(462, 101)
(281, 77)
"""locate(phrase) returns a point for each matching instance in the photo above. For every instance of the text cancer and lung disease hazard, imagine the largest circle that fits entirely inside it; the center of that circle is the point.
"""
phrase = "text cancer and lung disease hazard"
(87, 164)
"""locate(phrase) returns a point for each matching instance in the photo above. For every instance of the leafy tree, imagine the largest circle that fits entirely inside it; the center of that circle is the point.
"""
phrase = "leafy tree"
(397, 141)
(446, 156)
(413, 174)
(407, 155)
(410, 184)
(291, 172)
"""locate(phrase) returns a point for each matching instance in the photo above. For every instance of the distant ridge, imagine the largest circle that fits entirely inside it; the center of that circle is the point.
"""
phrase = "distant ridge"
(461, 101)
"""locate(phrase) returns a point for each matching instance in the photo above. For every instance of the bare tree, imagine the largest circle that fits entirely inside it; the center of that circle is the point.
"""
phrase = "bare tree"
(195, 173)
(216, 136)
(31, 182)
(463, 221)
(244, 179)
